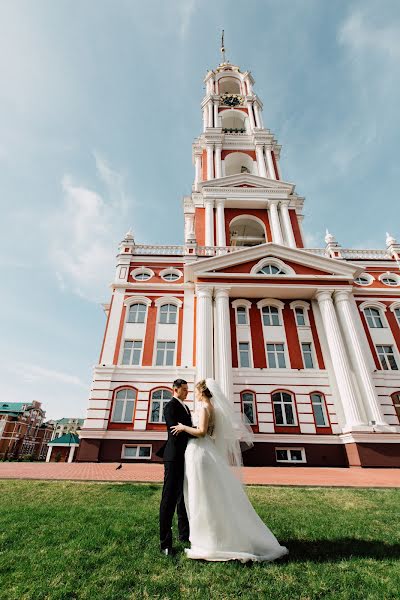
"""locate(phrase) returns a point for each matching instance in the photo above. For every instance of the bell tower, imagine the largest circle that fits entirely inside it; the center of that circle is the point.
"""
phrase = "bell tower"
(238, 195)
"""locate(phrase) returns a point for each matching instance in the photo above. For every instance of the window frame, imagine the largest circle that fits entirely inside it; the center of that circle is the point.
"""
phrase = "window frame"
(311, 355)
(171, 271)
(137, 457)
(130, 364)
(288, 449)
(385, 355)
(389, 274)
(294, 409)
(269, 260)
(242, 303)
(367, 276)
(162, 403)
(267, 310)
(305, 306)
(250, 365)
(141, 271)
(324, 410)
(254, 403)
(283, 352)
(372, 319)
(168, 313)
(173, 364)
(396, 404)
(114, 404)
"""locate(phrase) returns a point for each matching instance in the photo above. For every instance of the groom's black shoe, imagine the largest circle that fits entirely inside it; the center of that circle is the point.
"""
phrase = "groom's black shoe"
(168, 551)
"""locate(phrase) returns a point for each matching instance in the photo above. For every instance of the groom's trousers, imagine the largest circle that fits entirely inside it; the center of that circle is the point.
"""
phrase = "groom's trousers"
(172, 498)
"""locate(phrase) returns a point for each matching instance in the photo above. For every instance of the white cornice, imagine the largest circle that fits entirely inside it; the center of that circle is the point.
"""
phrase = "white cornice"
(262, 183)
(329, 265)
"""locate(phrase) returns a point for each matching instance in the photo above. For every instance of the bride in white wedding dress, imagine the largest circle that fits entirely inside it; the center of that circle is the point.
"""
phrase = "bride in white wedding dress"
(223, 523)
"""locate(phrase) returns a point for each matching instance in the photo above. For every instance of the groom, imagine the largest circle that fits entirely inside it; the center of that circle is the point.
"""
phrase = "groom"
(173, 453)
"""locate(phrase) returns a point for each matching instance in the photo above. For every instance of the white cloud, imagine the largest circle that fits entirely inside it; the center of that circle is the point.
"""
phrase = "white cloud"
(359, 33)
(85, 232)
(35, 373)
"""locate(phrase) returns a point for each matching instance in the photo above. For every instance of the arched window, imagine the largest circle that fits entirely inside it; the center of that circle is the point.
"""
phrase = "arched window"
(159, 399)
(249, 406)
(270, 270)
(373, 316)
(168, 313)
(284, 411)
(170, 274)
(234, 162)
(319, 410)
(300, 318)
(390, 279)
(397, 313)
(396, 404)
(233, 121)
(246, 231)
(124, 405)
(137, 313)
(270, 315)
(241, 313)
(229, 85)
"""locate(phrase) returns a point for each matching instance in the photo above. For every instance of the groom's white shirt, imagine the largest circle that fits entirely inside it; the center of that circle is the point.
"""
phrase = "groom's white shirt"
(183, 404)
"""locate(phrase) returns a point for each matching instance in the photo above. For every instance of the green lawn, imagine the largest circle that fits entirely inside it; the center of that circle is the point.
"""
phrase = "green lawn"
(99, 541)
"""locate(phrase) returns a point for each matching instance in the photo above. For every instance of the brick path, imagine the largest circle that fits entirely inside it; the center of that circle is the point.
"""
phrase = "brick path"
(291, 476)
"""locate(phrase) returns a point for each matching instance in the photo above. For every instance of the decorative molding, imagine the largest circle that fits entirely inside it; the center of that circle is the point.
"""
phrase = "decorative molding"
(168, 300)
(138, 300)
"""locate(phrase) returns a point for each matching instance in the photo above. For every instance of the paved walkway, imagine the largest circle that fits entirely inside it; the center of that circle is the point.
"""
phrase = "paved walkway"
(291, 476)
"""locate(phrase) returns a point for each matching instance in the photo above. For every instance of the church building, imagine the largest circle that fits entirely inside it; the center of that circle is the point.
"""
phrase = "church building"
(304, 341)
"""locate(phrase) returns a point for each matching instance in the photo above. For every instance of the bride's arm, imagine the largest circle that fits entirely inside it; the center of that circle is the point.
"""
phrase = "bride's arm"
(199, 431)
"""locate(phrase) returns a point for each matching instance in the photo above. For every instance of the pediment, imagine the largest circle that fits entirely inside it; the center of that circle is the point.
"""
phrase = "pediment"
(300, 263)
(248, 180)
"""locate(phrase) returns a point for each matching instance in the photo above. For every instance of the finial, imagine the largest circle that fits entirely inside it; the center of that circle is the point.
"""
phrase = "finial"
(128, 235)
(329, 238)
(223, 47)
(390, 240)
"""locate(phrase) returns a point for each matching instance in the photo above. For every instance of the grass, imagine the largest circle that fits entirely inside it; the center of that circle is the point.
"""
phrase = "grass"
(66, 540)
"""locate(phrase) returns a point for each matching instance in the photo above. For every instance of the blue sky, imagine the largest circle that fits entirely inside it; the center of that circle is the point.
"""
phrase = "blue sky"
(99, 104)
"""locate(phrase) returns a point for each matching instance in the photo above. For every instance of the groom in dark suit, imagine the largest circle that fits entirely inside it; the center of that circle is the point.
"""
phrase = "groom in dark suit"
(173, 453)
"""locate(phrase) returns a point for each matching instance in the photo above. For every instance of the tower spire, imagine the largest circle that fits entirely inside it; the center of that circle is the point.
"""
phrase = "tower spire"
(223, 48)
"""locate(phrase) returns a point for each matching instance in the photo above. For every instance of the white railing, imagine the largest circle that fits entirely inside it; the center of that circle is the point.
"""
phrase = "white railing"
(353, 253)
(149, 249)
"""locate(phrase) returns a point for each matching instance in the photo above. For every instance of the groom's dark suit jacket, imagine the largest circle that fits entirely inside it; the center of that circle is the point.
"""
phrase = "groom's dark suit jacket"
(174, 448)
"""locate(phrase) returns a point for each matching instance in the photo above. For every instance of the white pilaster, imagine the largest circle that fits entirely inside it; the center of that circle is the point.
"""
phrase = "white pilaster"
(360, 366)
(49, 451)
(262, 171)
(113, 327)
(221, 235)
(71, 454)
(209, 114)
(287, 224)
(215, 113)
(270, 163)
(210, 161)
(218, 162)
(257, 115)
(187, 326)
(341, 367)
(251, 114)
(223, 341)
(204, 333)
(197, 172)
(209, 221)
(275, 224)
(205, 117)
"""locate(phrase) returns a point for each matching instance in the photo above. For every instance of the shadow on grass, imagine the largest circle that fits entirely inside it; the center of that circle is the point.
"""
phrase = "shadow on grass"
(336, 550)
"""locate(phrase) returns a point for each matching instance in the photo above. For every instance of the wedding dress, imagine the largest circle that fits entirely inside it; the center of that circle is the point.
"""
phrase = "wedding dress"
(223, 523)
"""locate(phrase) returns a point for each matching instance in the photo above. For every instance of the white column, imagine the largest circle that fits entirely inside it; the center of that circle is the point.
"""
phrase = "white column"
(275, 224)
(209, 206)
(257, 115)
(221, 236)
(223, 342)
(300, 222)
(205, 117)
(71, 454)
(48, 455)
(270, 163)
(197, 172)
(361, 368)
(209, 114)
(340, 362)
(218, 162)
(210, 161)
(251, 114)
(204, 333)
(287, 224)
(216, 114)
(262, 171)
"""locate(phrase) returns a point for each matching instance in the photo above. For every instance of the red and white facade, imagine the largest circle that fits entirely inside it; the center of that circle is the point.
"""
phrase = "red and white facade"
(305, 341)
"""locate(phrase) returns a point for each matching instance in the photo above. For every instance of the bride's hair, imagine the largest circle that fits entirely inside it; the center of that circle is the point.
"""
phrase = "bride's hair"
(203, 389)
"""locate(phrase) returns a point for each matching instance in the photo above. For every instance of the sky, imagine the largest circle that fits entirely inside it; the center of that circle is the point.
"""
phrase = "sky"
(99, 105)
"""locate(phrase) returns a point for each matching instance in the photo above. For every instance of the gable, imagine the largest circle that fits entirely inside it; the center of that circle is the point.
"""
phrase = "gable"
(299, 269)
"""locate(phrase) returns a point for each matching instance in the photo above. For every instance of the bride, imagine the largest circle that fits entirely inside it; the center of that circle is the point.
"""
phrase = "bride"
(223, 523)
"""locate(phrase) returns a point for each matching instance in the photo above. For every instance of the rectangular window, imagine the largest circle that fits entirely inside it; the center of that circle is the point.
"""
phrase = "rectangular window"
(276, 356)
(319, 409)
(132, 352)
(300, 320)
(270, 315)
(249, 407)
(244, 354)
(386, 357)
(307, 356)
(295, 455)
(168, 313)
(241, 315)
(397, 313)
(165, 354)
(135, 452)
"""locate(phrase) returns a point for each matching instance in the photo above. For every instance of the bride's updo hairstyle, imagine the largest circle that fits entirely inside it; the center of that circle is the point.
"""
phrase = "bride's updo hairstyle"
(203, 389)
